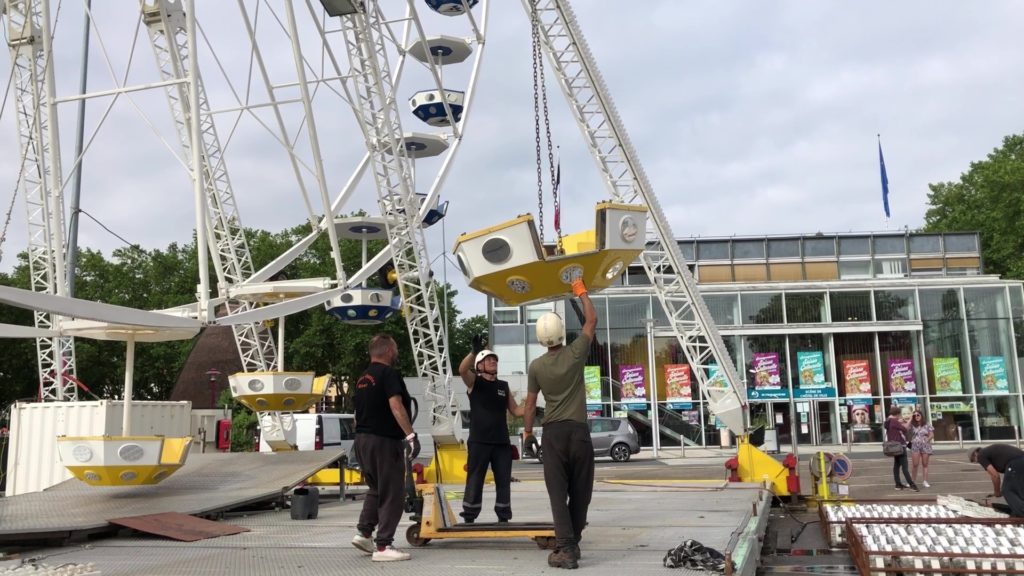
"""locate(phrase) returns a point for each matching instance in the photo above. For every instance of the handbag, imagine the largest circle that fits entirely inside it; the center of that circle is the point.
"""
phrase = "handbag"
(893, 448)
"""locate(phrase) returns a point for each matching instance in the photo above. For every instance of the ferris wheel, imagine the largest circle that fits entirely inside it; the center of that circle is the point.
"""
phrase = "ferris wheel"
(344, 58)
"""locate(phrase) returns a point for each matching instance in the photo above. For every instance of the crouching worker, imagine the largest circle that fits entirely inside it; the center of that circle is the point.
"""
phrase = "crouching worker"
(489, 446)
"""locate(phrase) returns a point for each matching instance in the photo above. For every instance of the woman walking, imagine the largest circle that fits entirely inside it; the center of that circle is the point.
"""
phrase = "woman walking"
(896, 431)
(921, 435)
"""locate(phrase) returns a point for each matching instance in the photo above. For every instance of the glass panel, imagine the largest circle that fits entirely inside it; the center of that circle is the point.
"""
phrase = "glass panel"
(864, 419)
(537, 310)
(900, 364)
(940, 304)
(895, 305)
(747, 249)
(890, 267)
(890, 245)
(784, 248)
(758, 385)
(945, 343)
(788, 272)
(997, 417)
(761, 307)
(949, 414)
(815, 247)
(850, 306)
(725, 308)
(628, 311)
(628, 348)
(821, 270)
(505, 316)
(986, 302)
(1017, 311)
(718, 250)
(750, 272)
(855, 360)
(805, 307)
(637, 278)
(687, 249)
(960, 243)
(711, 274)
(930, 244)
(854, 247)
(854, 269)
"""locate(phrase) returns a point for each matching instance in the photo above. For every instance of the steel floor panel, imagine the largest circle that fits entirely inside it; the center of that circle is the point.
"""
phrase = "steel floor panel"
(207, 483)
(630, 529)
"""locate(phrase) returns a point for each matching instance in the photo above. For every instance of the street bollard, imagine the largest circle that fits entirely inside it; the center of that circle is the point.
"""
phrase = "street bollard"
(849, 441)
(1016, 435)
(960, 436)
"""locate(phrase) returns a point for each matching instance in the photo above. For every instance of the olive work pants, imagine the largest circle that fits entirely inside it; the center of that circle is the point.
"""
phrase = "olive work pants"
(569, 477)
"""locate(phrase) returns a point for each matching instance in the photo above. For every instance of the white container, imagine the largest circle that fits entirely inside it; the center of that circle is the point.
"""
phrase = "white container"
(33, 462)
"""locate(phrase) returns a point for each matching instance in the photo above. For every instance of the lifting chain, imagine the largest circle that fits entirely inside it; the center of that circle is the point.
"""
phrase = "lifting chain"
(540, 102)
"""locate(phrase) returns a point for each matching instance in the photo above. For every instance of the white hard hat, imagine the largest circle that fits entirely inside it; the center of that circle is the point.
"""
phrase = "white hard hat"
(550, 330)
(483, 354)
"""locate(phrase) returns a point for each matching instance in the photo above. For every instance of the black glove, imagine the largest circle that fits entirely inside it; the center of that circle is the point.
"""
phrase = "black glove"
(530, 446)
(479, 343)
(412, 446)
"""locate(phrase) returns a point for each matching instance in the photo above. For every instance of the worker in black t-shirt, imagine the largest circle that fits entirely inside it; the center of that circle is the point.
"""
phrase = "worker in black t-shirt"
(1009, 461)
(384, 440)
(489, 398)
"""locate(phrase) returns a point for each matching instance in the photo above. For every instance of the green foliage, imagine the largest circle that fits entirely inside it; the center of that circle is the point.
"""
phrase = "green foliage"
(988, 198)
(243, 423)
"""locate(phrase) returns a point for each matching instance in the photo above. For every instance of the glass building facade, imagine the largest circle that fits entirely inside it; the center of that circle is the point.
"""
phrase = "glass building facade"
(827, 333)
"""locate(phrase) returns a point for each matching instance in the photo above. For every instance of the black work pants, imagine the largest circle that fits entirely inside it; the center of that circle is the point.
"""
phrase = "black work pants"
(569, 477)
(901, 462)
(1013, 487)
(499, 458)
(383, 468)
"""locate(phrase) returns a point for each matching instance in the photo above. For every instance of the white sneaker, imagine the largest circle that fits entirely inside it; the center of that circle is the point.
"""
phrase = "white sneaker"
(363, 543)
(926, 485)
(389, 554)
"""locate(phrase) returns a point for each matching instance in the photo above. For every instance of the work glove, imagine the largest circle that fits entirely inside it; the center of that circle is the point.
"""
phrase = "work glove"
(578, 287)
(479, 343)
(412, 446)
(530, 446)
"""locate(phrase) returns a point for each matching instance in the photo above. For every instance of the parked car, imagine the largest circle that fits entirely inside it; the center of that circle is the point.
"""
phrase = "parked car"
(612, 437)
(319, 432)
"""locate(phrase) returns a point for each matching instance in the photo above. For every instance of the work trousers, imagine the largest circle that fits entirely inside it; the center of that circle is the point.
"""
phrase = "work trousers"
(1013, 487)
(569, 477)
(383, 469)
(901, 462)
(499, 458)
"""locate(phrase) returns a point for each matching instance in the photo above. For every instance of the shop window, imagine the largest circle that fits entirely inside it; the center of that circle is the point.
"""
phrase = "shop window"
(805, 307)
(854, 247)
(713, 250)
(989, 302)
(856, 365)
(761, 307)
(628, 311)
(714, 274)
(750, 272)
(821, 270)
(505, 316)
(940, 304)
(788, 272)
(784, 248)
(854, 269)
(748, 249)
(926, 244)
(725, 309)
(900, 364)
(997, 418)
(952, 417)
(819, 247)
(893, 305)
(890, 245)
(961, 243)
(850, 306)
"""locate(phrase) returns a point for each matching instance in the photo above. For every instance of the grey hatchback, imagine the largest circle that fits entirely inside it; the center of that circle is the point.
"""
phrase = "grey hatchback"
(614, 437)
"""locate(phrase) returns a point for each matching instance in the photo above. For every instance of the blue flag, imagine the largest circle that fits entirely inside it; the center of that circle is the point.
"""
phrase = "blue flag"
(885, 180)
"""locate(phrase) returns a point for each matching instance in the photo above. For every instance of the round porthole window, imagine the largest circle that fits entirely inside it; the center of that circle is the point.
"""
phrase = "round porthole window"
(430, 97)
(82, 453)
(628, 229)
(130, 452)
(256, 385)
(292, 383)
(497, 250)
(128, 476)
(91, 476)
(518, 285)
(346, 298)
(614, 270)
(462, 265)
(570, 273)
(376, 298)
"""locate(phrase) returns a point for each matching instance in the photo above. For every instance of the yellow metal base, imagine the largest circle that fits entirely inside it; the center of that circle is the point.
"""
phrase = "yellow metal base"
(332, 477)
(449, 465)
(440, 522)
(756, 466)
(123, 475)
(123, 460)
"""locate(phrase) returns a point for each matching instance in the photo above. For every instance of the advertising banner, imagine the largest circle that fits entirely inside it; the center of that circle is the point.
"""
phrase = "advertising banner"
(860, 416)
(634, 393)
(811, 374)
(716, 378)
(902, 381)
(857, 374)
(993, 375)
(947, 376)
(592, 381)
(678, 387)
(765, 374)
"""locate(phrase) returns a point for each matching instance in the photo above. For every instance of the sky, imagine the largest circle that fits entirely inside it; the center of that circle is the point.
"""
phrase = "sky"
(750, 118)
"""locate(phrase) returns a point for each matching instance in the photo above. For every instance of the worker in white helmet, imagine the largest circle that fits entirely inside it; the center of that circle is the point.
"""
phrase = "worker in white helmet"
(488, 444)
(568, 450)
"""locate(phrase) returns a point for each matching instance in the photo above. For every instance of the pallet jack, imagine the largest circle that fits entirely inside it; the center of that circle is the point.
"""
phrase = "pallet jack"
(440, 522)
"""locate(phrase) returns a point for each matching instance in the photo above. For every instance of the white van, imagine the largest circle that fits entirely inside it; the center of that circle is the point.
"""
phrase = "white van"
(319, 432)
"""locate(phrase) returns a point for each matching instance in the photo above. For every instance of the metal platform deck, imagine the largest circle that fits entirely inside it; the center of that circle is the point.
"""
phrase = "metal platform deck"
(631, 526)
(206, 484)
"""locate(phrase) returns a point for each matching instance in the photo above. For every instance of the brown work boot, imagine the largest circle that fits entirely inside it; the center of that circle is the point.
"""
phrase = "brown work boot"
(563, 558)
(575, 549)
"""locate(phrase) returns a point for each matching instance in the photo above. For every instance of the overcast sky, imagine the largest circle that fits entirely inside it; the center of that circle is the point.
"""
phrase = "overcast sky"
(750, 118)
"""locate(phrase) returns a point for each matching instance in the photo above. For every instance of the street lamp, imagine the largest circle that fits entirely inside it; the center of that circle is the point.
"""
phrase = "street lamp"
(212, 374)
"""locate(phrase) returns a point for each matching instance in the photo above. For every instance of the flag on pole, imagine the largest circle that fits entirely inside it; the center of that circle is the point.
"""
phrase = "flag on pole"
(558, 205)
(885, 178)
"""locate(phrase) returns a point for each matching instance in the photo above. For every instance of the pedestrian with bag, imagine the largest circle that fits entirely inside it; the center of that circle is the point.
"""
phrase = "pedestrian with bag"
(896, 440)
(921, 435)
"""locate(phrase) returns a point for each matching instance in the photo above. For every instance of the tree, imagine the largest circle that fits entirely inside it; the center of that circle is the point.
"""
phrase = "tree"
(989, 198)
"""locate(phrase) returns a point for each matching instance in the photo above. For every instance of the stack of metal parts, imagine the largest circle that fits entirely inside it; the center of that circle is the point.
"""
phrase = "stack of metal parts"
(968, 508)
(834, 515)
(919, 546)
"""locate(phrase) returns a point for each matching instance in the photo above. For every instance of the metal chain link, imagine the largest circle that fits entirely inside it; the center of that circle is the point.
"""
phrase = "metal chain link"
(551, 159)
(535, 32)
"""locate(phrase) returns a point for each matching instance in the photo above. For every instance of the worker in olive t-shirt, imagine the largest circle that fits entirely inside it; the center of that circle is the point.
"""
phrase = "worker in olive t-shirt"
(568, 450)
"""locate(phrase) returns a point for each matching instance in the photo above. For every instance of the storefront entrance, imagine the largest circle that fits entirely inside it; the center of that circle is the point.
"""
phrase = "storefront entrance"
(816, 422)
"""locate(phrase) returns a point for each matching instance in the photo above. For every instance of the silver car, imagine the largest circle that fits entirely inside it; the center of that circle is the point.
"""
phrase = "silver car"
(614, 437)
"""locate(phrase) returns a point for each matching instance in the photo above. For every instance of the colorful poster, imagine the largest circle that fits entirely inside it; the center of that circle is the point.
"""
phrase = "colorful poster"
(592, 381)
(811, 376)
(634, 393)
(860, 416)
(716, 378)
(677, 383)
(947, 376)
(993, 375)
(902, 381)
(764, 370)
(857, 374)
